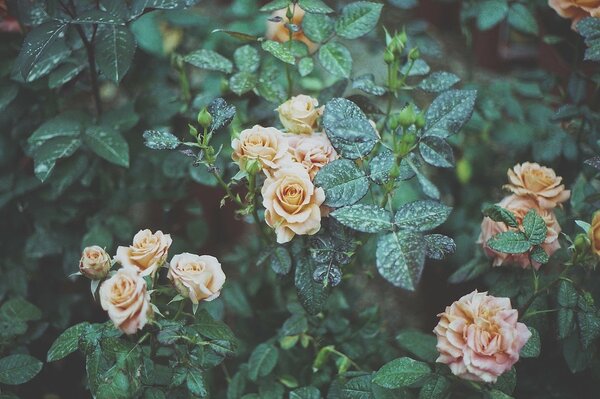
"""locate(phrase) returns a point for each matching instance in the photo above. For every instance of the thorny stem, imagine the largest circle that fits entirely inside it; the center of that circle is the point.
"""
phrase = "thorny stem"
(537, 292)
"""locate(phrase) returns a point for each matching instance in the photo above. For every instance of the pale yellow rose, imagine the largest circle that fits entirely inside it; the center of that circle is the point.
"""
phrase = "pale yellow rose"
(125, 298)
(576, 10)
(279, 32)
(479, 337)
(292, 202)
(539, 182)
(312, 151)
(594, 234)
(299, 114)
(199, 278)
(147, 253)
(94, 263)
(266, 145)
(519, 206)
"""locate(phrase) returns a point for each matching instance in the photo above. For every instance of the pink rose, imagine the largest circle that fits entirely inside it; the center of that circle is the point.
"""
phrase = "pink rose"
(312, 151)
(479, 337)
(576, 10)
(539, 182)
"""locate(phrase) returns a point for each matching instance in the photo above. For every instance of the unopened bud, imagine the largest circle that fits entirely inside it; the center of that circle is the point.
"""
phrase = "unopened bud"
(204, 118)
(420, 121)
(388, 56)
(95, 263)
(407, 116)
(414, 54)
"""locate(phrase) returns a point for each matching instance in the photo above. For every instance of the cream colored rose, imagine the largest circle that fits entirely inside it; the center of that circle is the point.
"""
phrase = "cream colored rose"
(519, 206)
(267, 145)
(576, 9)
(299, 114)
(312, 151)
(94, 263)
(147, 253)
(125, 298)
(279, 32)
(539, 182)
(292, 202)
(199, 278)
(594, 234)
(479, 337)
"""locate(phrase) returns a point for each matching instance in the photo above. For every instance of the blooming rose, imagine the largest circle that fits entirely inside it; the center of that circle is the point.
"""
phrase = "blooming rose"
(312, 151)
(479, 337)
(279, 31)
(292, 202)
(197, 277)
(576, 9)
(299, 114)
(125, 298)
(594, 234)
(539, 182)
(147, 253)
(519, 206)
(264, 144)
(94, 263)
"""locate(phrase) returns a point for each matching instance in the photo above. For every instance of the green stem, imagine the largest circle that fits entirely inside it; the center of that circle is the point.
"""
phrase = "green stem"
(226, 187)
(179, 310)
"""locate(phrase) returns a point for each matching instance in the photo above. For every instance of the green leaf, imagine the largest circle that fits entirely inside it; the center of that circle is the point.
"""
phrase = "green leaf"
(67, 342)
(115, 47)
(589, 327)
(429, 189)
(509, 242)
(221, 112)
(209, 60)
(539, 255)
(281, 262)
(312, 295)
(237, 384)
(565, 322)
(576, 357)
(589, 28)
(8, 92)
(449, 112)
(336, 59)
(97, 17)
(317, 27)
(242, 82)
(421, 215)
(358, 19)
(419, 344)
(107, 143)
(438, 246)
(437, 152)
(63, 74)
(357, 388)
(499, 214)
(262, 361)
(367, 84)
(437, 387)
(400, 373)
(381, 165)
(275, 5)
(160, 140)
(305, 393)
(567, 294)
(247, 58)
(533, 346)
(20, 309)
(507, 382)
(279, 51)
(496, 394)
(535, 227)
(45, 157)
(314, 6)
(344, 183)
(469, 271)
(400, 258)
(490, 13)
(195, 383)
(210, 328)
(18, 369)
(364, 217)
(419, 68)
(438, 81)
(521, 18)
(69, 124)
(305, 66)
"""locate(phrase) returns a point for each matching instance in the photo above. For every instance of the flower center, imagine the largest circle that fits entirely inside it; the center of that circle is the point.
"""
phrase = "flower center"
(192, 267)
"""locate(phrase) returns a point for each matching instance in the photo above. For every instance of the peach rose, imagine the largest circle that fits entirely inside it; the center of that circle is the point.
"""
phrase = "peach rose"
(594, 233)
(292, 202)
(94, 263)
(147, 253)
(576, 9)
(126, 300)
(199, 278)
(266, 145)
(279, 32)
(299, 114)
(312, 151)
(519, 206)
(479, 337)
(539, 182)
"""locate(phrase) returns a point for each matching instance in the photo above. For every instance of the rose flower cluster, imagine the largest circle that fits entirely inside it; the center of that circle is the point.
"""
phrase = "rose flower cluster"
(533, 187)
(289, 161)
(124, 294)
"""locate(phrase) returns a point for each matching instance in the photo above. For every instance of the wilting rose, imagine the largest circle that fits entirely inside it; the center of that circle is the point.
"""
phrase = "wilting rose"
(312, 151)
(266, 145)
(479, 337)
(299, 114)
(147, 253)
(538, 182)
(519, 206)
(279, 32)
(594, 234)
(94, 263)
(126, 300)
(576, 10)
(199, 278)
(292, 202)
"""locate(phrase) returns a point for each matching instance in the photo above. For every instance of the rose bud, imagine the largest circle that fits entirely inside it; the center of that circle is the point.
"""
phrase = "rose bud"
(94, 263)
